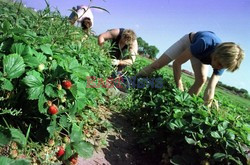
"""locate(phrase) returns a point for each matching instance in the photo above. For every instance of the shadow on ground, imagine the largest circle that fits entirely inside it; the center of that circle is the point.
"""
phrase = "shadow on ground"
(123, 149)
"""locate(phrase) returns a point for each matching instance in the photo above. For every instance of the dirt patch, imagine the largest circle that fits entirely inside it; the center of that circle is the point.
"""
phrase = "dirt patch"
(122, 148)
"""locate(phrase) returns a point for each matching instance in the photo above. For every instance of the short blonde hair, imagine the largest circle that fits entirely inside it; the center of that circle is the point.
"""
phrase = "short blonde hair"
(129, 36)
(230, 55)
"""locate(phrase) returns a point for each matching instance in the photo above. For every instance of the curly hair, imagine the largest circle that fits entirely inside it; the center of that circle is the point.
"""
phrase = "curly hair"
(230, 55)
(128, 36)
(86, 24)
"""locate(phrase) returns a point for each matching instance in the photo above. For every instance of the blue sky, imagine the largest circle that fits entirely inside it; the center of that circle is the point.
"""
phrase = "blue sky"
(162, 22)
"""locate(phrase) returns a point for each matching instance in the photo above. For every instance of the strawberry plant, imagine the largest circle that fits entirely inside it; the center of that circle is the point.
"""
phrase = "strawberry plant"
(44, 65)
(179, 125)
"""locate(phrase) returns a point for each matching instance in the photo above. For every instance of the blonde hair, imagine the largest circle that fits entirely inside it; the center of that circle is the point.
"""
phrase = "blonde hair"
(128, 36)
(230, 55)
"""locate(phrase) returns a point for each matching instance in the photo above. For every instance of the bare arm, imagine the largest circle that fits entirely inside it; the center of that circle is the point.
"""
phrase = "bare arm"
(210, 90)
(133, 52)
(110, 34)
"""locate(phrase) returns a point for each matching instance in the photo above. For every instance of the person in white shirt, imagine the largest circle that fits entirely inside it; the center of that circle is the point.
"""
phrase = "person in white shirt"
(82, 16)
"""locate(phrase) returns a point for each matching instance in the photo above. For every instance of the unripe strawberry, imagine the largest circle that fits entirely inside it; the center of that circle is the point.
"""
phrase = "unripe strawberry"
(63, 99)
(60, 152)
(59, 87)
(13, 153)
(53, 109)
(66, 84)
(41, 67)
(66, 139)
(51, 142)
(14, 146)
(49, 103)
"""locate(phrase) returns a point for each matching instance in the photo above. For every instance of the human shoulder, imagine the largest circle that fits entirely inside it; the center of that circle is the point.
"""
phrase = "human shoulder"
(114, 32)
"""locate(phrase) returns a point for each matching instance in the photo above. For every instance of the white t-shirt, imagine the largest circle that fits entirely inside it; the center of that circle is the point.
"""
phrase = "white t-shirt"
(82, 13)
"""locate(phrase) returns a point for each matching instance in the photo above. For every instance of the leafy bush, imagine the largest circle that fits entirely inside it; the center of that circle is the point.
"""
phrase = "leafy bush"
(182, 127)
(44, 65)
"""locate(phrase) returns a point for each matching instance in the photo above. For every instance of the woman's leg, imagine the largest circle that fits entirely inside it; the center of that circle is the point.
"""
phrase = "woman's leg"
(169, 55)
(200, 73)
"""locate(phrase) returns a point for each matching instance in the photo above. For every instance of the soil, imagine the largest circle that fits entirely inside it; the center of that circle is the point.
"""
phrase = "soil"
(122, 149)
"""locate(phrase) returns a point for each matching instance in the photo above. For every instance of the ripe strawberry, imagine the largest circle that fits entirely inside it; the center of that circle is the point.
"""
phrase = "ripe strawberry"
(66, 84)
(53, 109)
(73, 159)
(60, 152)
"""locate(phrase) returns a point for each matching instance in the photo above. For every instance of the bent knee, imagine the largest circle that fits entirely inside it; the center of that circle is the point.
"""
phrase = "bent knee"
(201, 80)
(176, 63)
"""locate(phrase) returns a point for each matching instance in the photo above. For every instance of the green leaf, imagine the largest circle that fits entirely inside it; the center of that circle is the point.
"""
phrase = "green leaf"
(68, 152)
(18, 137)
(20, 162)
(215, 134)
(5, 160)
(41, 102)
(13, 65)
(7, 85)
(6, 26)
(178, 113)
(31, 61)
(81, 103)
(46, 49)
(74, 91)
(18, 48)
(64, 121)
(61, 93)
(41, 58)
(34, 61)
(28, 51)
(5, 137)
(219, 156)
(50, 91)
(190, 141)
(35, 83)
(177, 160)
(84, 149)
(76, 133)
(81, 72)
(52, 128)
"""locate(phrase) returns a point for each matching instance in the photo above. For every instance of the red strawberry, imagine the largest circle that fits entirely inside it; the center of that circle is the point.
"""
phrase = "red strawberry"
(60, 152)
(66, 84)
(53, 109)
(73, 159)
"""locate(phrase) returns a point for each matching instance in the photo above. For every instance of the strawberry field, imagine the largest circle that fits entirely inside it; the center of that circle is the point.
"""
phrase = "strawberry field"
(48, 115)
